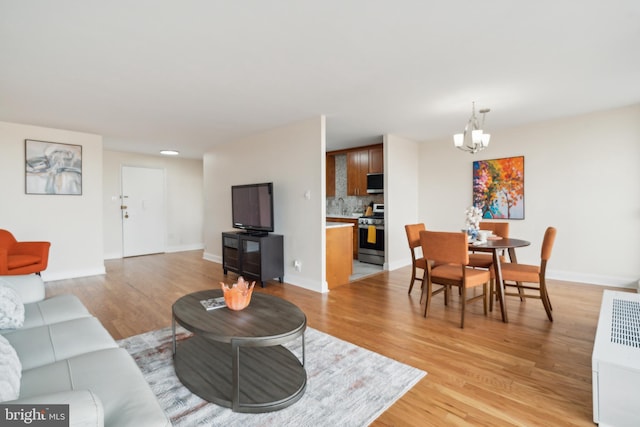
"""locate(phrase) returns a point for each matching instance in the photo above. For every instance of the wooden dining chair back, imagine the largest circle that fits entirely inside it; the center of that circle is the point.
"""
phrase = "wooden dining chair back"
(417, 260)
(447, 258)
(526, 278)
(498, 228)
(484, 260)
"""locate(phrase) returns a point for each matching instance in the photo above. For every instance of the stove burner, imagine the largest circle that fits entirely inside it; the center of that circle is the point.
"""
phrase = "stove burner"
(371, 220)
(376, 219)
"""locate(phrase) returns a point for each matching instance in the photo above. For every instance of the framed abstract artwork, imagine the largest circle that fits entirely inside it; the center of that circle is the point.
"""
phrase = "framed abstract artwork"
(53, 168)
(498, 187)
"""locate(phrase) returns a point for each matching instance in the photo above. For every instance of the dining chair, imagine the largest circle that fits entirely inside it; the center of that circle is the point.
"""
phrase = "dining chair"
(417, 260)
(484, 260)
(525, 277)
(447, 256)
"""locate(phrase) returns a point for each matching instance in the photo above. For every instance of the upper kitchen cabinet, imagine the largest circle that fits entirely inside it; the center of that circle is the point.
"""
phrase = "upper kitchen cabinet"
(357, 170)
(376, 161)
(331, 175)
(360, 162)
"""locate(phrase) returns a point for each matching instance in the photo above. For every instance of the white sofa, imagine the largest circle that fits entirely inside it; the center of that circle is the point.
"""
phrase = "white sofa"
(68, 357)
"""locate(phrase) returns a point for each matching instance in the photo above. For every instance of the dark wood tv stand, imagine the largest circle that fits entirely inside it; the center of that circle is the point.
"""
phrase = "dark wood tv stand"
(253, 256)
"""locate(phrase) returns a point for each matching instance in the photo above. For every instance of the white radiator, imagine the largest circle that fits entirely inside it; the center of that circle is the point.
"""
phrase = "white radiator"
(616, 361)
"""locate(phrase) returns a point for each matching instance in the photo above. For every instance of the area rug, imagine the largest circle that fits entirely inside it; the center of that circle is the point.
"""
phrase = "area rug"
(346, 385)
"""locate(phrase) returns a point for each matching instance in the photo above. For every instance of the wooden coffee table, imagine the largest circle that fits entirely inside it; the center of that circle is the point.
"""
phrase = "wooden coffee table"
(236, 358)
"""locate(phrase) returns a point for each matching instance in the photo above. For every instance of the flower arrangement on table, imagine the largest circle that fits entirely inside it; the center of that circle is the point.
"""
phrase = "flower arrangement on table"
(473, 215)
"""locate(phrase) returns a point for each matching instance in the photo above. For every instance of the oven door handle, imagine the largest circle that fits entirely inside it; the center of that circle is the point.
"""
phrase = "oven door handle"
(366, 227)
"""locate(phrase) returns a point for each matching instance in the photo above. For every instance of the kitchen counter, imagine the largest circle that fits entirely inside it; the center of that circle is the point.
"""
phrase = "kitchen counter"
(338, 224)
(352, 216)
(346, 221)
(339, 250)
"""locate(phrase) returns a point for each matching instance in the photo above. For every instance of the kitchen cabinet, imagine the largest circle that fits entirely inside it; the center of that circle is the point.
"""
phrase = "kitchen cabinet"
(357, 170)
(331, 175)
(354, 231)
(376, 160)
(360, 162)
(253, 257)
(339, 264)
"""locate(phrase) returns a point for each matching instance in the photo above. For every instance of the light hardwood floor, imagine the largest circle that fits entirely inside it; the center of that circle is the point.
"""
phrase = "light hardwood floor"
(527, 372)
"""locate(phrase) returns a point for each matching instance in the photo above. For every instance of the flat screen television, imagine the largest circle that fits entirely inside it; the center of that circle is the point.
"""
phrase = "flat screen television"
(252, 207)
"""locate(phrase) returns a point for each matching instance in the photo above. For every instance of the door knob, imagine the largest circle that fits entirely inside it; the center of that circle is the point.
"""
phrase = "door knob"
(126, 214)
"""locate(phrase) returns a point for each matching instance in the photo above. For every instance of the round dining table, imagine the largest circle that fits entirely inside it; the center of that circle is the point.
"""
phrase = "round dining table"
(495, 246)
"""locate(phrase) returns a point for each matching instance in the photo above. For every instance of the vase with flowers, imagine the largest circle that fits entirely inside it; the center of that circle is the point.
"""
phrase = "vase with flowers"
(473, 215)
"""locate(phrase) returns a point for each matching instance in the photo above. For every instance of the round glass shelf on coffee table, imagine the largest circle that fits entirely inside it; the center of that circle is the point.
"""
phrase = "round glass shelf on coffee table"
(236, 358)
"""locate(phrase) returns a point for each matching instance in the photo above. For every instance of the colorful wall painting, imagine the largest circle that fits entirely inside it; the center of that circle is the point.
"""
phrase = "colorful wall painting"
(498, 187)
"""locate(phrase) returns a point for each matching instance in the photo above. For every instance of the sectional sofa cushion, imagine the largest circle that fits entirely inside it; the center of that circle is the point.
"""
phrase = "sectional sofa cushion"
(30, 287)
(112, 375)
(11, 309)
(10, 371)
(85, 408)
(53, 310)
(37, 310)
(46, 344)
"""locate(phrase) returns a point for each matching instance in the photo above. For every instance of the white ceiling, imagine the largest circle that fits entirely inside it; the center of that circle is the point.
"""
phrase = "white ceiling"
(152, 74)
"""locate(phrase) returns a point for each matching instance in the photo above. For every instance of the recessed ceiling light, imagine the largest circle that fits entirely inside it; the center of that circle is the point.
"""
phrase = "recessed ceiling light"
(169, 152)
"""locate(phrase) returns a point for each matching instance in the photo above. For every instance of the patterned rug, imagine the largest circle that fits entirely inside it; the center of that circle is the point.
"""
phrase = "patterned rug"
(346, 385)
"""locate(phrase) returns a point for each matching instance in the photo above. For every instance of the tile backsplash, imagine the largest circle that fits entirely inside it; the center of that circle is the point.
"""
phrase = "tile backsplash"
(342, 204)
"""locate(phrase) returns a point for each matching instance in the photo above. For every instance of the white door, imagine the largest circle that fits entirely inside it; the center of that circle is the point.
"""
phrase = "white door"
(143, 211)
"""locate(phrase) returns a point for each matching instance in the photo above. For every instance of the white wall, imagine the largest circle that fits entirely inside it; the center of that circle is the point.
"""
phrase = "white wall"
(581, 176)
(183, 193)
(293, 158)
(401, 197)
(73, 224)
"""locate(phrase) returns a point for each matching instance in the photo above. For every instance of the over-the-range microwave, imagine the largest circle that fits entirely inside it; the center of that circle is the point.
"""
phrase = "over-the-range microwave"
(375, 183)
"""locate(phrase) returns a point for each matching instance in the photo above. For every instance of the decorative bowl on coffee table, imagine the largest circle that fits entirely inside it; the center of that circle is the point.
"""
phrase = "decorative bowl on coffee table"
(239, 295)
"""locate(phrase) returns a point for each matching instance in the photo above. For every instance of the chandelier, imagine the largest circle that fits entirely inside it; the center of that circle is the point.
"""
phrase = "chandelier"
(473, 139)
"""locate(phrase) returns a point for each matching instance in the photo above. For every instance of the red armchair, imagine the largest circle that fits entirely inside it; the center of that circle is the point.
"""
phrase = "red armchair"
(22, 257)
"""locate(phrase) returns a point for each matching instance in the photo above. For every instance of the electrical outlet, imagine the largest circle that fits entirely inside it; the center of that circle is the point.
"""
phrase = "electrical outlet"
(297, 265)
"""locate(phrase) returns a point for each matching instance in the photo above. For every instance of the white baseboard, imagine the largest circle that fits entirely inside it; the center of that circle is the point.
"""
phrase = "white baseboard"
(211, 257)
(170, 249)
(184, 248)
(305, 283)
(594, 279)
(570, 276)
(299, 281)
(49, 276)
(399, 264)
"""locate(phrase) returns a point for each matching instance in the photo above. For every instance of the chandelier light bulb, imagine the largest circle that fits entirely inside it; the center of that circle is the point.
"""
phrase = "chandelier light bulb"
(473, 139)
(476, 136)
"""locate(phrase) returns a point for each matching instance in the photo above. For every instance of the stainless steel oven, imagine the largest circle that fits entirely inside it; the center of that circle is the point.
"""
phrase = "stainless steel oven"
(371, 237)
